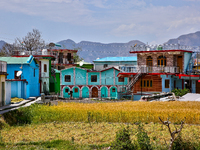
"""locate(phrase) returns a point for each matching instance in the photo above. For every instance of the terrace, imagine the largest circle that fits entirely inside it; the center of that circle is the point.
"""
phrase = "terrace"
(149, 69)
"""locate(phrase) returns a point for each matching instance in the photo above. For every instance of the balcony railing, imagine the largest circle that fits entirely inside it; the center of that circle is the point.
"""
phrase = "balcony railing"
(149, 69)
(3, 66)
(163, 47)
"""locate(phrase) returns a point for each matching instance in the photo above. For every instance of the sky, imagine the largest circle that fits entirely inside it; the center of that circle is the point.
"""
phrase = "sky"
(104, 21)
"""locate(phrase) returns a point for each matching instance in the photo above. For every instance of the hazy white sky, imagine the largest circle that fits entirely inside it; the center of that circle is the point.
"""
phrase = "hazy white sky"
(106, 21)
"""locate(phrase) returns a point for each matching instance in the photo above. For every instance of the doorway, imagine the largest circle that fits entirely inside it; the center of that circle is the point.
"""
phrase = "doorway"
(94, 92)
(180, 63)
(149, 63)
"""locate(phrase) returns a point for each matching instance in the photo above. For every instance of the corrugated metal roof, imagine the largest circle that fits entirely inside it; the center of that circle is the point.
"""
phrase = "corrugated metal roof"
(57, 71)
(134, 58)
(15, 60)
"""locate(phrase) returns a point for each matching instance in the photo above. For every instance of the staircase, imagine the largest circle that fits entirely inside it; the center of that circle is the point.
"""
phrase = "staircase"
(133, 81)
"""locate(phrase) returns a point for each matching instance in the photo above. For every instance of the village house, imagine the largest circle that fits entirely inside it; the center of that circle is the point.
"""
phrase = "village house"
(64, 58)
(161, 69)
(82, 83)
(23, 76)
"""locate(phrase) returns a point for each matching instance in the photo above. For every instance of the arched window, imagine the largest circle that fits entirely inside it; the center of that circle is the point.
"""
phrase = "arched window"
(149, 61)
(162, 61)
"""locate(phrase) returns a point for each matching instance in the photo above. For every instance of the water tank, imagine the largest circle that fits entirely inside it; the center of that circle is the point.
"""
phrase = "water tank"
(44, 52)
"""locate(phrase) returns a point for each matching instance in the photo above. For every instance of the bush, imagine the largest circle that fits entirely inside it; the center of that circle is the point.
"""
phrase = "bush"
(143, 139)
(180, 144)
(180, 92)
(122, 140)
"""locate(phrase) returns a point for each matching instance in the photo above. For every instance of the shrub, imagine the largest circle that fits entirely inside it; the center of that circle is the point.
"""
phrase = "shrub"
(143, 139)
(180, 92)
(122, 140)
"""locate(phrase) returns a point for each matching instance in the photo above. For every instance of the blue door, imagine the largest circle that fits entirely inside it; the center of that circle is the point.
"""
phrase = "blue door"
(104, 92)
(76, 92)
(113, 93)
(66, 92)
(85, 92)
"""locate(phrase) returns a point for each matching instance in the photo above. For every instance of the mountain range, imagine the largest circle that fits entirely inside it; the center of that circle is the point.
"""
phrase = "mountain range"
(90, 51)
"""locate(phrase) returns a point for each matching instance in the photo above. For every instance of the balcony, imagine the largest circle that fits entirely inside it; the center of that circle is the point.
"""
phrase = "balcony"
(149, 69)
(3, 67)
(163, 47)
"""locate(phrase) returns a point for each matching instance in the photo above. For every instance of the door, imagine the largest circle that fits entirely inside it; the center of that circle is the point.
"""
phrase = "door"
(180, 63)
(94, 92)
(197, 87)
(149, 63)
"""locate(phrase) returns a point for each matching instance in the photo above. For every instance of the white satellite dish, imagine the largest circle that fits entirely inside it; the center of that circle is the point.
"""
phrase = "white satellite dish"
(81, 63)
(19, 73)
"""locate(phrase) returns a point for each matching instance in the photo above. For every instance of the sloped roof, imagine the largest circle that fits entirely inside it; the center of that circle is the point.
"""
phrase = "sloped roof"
(134, 58)
(17, 60)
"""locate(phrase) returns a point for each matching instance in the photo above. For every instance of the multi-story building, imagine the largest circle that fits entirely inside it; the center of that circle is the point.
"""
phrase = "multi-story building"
(161, 69)
(64, 58)
(82, 83)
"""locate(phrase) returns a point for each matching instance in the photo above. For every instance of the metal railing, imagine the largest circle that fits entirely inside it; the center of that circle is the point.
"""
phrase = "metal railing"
(150, 69)
(163, 47)
(3, 66)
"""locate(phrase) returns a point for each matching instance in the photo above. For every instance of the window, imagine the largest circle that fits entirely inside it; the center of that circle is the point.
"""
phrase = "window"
(45, 67)
(76, 90)
(67, 78)
(120, 79)
(161, 61)
(93, 78)
(167, 83)
(146, 83)
(105, 65)
(66, 90)
(17, 77)
(113, 90)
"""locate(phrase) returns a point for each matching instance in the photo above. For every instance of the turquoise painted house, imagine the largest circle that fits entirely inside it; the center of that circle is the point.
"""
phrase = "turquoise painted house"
(82, 83)
(23, 76)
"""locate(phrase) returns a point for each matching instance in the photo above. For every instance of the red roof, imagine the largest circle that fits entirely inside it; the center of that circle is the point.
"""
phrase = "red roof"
(157, 51)
(63, 50)
(33, 56)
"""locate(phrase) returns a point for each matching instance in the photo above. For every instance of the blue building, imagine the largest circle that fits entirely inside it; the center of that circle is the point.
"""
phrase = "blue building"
(23, 76)
(117, 62)
(84, 83)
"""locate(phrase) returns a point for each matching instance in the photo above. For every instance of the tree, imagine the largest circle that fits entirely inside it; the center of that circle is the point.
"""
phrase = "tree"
(6, 50)
(31, 42)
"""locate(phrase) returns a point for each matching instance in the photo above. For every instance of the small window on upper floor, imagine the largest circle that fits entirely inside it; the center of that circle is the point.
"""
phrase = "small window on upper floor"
(105, 65)
(45, 67)
(120, 79)
(67, 78)
(93, 78)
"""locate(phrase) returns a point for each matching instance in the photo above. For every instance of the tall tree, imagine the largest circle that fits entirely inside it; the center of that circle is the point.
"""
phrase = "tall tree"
(31, 42)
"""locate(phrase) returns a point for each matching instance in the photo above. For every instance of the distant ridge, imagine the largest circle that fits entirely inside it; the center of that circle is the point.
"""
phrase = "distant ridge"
(92, 50)
(191, 39)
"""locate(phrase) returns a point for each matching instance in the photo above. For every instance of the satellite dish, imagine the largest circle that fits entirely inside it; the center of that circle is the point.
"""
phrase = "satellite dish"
(81, 63)
(19, 73)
